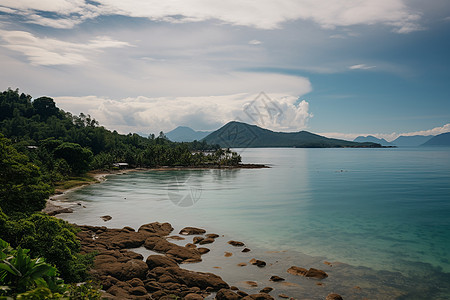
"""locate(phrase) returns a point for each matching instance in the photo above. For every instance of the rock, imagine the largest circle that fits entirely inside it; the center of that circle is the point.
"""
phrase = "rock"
(197, 239)
(135, 282)
(119, 292)
(128, 228)
(261, 296)
(190, 246)
(312, 273)
(161, 229)
(176, 237)
(192, 296)
(334, 297)
(212, 235)
(242, 293)
(257, 262)
(198, 279)
(203, 250)
(234, 288)
(241, 264)
(283, 296)
(225, 294)
(266, 290)
(228, 254)
(106, 218)
(158, 244)
(246, 250)
(154, 261)
(236, 243)
(276, 278)
(206, 241)
(184, 253)
(138, 291)
(192, 231)
(251, 283)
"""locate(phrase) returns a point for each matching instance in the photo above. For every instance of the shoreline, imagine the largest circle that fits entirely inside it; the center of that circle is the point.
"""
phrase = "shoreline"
(54, 206)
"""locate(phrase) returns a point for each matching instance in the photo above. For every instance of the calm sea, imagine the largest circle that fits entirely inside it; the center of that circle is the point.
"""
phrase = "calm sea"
(382, 216)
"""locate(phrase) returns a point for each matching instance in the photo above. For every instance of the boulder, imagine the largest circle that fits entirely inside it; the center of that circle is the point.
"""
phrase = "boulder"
(225, 294)
(198, 279)
(236, 243)
(266, 290)
(106, 218)
(156, 228)
(197, 239)
(246, 250)
(257, 262)
(212, 235)
(260, 296)
(138, 291)
(203, 250)
(206, 241)
(276, 278)
(154, 261)
(192, 296)
(192, 231)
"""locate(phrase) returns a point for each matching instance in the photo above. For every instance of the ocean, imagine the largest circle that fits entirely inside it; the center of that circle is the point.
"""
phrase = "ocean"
(381, 217)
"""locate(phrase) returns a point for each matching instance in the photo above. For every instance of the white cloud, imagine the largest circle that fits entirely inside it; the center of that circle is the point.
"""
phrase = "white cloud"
(264, 14)
(388, 136)
(254, 42)
(48, 51)
(361, 67)
(143, 114)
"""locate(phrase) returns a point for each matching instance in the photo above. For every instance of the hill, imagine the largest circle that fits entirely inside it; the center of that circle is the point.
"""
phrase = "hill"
(240, 135)
(372, 139)
(411, 141)
(442, 140)
(186, 134)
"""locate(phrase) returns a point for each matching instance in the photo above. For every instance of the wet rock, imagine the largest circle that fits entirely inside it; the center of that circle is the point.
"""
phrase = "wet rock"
(198, 279)
(241, 264)
(183, 253)
(225, 294)
(203, 250)
(266, 290)
(176, 237)
(334, 297)
(190, 246)
(192, 231)
(60, 210)
(119, 292)
(283, 296)
(311, 273)
(135, 282)
(106, 218)
(246, 250)
(154, 261)
(251, 283)
(257, 262)
(241, 293)
(212, 235)
(197, 239)
(129, 229)
(234, 288)
(228, 254)
(236, 243)
(206, 241)
(156, 228)
(276, 278)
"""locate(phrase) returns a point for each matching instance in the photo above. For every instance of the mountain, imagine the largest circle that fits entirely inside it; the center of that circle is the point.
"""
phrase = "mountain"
(186, 134)
(411, 141)
(372, 139)
(241, 135)
(439, 140)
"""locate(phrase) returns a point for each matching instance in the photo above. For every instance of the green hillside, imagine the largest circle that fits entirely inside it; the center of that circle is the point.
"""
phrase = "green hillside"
(241, 135)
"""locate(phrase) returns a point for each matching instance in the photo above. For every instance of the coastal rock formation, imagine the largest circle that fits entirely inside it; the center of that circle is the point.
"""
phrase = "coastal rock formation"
(124, 275)
(312, 273)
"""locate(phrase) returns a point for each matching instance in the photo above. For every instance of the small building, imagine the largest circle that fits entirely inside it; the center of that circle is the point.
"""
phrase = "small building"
(122, 165)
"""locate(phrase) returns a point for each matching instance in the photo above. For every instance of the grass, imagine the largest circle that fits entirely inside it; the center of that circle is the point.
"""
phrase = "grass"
(72, 182)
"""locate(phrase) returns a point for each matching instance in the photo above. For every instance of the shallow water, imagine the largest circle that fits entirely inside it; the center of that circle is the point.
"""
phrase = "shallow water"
(383, 213)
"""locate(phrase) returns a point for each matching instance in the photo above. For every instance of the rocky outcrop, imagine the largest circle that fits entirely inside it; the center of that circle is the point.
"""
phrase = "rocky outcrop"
(236, 243)
(312, 273)
(192, 231)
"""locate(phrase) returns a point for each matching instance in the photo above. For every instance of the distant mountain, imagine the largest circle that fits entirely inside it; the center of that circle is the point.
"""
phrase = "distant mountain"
(372, 139)
(241, 135)
(186, 134)
(439, 140)
(411, 141)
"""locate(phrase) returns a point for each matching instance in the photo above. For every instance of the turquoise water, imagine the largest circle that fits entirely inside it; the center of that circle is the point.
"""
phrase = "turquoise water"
(387, 210)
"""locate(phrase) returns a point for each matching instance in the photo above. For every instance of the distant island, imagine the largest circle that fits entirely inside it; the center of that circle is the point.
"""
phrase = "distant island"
(441, 140)
(372, 139)
(240, 135)
(186, 134)
(401, 141)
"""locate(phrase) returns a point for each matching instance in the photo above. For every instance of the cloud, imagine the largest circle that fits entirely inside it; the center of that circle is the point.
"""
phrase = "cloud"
(263, 14)
(388, 136)
(361, 67)
(254, 42)
(143, 114)
(48, 51)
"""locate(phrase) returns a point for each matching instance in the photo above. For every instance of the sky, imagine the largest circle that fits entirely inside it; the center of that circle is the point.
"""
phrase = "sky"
(339, 68)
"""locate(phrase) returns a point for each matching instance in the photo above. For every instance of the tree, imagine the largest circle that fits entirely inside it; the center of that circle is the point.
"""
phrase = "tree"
(22, 188)
(76, 156)
(45, 107)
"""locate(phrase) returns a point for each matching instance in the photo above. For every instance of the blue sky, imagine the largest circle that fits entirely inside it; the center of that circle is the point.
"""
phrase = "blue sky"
(341, 68)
